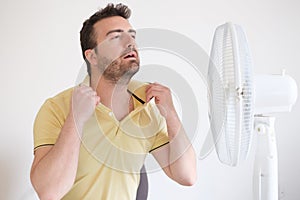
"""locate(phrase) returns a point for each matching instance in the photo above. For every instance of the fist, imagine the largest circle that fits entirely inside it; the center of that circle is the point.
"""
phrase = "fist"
(83, 103)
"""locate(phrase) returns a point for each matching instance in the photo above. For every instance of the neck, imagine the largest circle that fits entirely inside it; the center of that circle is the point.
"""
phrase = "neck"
(112, 95)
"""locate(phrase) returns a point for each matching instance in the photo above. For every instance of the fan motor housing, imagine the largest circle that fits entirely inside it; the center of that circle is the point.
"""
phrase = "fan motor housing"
(274, 93)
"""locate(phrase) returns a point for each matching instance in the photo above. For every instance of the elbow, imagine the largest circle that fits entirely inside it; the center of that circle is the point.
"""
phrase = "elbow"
(43, 193)
(191, 182)
(188, 181)
(185, 177)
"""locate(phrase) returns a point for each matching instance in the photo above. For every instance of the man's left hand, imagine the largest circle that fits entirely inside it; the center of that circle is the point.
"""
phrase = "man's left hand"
(163, 98)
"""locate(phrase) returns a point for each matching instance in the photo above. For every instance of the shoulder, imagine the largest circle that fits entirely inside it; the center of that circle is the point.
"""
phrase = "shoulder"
(51, 117)
(63, 98)
(58, 104)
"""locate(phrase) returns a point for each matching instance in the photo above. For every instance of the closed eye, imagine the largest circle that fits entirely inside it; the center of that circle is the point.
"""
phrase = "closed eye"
(115, 37)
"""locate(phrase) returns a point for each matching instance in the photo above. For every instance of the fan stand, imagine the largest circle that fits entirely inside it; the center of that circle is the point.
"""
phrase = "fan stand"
(265, 176)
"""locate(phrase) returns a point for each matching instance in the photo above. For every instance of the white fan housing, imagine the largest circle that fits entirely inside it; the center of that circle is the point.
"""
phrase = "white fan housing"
(239, 103)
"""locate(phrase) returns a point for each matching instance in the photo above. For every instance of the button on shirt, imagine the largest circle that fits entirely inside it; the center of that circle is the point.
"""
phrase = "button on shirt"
(112, 152)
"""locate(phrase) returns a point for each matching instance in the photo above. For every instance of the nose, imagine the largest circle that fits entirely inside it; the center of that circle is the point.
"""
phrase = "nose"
(130, 46)
(129, 41)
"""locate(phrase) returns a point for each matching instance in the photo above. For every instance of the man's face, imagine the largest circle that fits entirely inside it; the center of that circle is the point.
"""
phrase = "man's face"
(116, 50)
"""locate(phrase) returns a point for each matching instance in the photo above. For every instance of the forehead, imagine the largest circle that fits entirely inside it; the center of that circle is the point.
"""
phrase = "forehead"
(105, 25)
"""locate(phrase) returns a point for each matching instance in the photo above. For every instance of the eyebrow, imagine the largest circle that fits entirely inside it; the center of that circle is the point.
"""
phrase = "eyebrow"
(120, 31)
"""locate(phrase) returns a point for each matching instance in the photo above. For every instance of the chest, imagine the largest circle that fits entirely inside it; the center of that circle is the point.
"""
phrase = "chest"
(121, 145)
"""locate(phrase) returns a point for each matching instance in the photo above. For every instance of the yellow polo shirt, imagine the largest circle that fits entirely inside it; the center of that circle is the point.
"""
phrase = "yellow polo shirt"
(112, 152)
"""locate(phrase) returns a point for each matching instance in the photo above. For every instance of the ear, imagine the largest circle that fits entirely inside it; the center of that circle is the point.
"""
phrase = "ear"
(91, 56)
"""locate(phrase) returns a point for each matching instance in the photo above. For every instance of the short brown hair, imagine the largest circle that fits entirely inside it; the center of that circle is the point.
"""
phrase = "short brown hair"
(87, 33)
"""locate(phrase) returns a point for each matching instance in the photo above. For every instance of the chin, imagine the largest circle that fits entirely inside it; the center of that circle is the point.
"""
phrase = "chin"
(134, 66)
(133, 70)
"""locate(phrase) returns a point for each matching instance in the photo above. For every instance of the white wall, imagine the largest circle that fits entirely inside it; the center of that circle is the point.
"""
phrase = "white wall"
(40, 55)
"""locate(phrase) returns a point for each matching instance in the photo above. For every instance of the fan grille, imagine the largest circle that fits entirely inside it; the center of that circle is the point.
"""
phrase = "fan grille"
(231, 94)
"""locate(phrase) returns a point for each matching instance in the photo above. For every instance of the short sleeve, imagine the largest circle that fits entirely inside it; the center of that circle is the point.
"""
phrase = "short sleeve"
(47, 125)
(161, 137)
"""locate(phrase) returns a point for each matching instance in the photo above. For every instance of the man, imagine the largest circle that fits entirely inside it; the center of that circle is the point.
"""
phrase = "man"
(90, 141)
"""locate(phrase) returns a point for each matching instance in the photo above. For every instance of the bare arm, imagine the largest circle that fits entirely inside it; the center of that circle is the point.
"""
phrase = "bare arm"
(177, 158)
(54, 167)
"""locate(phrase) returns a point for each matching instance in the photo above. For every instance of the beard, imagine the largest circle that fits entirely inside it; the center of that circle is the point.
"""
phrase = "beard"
(119, 71)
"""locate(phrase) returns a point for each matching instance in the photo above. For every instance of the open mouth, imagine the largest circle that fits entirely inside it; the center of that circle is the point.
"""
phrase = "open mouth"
(131, 54)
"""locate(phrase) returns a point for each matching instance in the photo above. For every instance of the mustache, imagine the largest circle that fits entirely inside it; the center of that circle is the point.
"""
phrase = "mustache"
(129, 49)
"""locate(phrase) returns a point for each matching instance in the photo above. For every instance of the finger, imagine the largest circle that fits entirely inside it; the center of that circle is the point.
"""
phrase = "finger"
(148, 98)
(154, 93)
(97, 100)
(80, 87)
(149, 94)
(155, 89)
(155, 84)
(85, 89)
(91, 92)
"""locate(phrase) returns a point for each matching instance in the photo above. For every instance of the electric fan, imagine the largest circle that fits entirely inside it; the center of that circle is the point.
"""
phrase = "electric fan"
(240, 103)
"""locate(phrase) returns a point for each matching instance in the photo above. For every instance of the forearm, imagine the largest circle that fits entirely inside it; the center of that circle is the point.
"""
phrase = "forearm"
(178, 157)
(54, 174)
(182, 156)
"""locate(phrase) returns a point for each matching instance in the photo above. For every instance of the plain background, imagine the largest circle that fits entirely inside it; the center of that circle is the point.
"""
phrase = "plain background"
(40, 56)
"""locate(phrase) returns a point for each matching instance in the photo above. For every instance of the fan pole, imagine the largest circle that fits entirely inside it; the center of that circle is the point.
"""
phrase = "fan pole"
(265, 177)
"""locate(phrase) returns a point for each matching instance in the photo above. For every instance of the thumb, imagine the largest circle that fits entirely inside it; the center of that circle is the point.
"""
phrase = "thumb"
(97, 100)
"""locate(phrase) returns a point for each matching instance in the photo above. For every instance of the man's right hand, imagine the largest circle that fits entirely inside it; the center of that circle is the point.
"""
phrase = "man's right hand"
(48, 174)
(83, 103)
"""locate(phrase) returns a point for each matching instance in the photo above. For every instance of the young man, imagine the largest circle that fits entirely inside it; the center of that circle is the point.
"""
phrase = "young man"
(90, 141)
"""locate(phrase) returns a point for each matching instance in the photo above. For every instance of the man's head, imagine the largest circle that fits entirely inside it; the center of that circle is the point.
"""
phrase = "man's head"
(106, 40)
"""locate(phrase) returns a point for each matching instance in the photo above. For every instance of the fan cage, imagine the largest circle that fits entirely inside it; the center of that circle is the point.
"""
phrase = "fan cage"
(231, 94)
